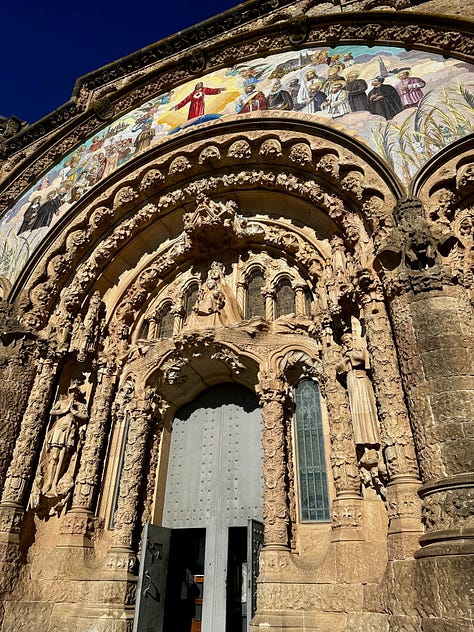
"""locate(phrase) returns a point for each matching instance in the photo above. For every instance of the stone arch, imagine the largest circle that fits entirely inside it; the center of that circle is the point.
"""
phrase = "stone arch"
(124, 199)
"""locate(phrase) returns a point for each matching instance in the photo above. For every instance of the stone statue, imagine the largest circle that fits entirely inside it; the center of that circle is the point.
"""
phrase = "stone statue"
(361, 393)
(215, 306)
(372, 469)
(63, 440)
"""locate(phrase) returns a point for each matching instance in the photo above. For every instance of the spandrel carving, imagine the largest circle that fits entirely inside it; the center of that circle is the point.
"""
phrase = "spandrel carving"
(416, 254)
(54, 480)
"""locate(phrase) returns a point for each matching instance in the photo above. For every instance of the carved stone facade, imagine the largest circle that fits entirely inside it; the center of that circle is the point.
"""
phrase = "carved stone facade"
(265, 249)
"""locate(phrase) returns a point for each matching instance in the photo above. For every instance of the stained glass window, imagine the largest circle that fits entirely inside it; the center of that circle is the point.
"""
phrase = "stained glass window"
(311, 458)
(255, 298)
(285, 299)
(165, 322)
(308, 301)
(190, 299)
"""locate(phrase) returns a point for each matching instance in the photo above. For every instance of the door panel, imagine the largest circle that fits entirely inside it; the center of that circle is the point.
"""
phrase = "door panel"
(215, 480)
(254, 546)
(151, 589)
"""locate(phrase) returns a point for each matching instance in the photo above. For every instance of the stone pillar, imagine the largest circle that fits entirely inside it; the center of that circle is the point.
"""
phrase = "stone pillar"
(433, 325)
(300, 307)
(112, 598)
(435, 344)
(242, 297)
(26, 449)
(142, 415)
(347, 506)
(273, 394)
(269, 304)
(79, 521)
(17, 372)
(151, 334)
(403, 503)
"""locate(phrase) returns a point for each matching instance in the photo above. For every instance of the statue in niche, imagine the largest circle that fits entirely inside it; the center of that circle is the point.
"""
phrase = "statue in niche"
(86, 331)
(216, 305)
(55, 477)
(361, 394)
(363, 409)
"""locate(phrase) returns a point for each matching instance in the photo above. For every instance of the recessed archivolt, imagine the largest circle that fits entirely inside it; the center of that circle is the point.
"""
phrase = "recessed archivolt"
(121, 213)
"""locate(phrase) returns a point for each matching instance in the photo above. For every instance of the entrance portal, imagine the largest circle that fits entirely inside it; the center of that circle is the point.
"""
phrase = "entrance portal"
(214, 486)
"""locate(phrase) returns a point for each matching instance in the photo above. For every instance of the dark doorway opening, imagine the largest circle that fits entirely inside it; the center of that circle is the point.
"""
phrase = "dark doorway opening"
(237, 580)
(183, 605)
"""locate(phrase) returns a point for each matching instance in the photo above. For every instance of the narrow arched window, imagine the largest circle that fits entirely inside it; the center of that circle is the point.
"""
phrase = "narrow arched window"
(165, 322)
(308, 302)
(255, 307)
(190, 299)
(284, 299)
(145, 330)
(310, 453)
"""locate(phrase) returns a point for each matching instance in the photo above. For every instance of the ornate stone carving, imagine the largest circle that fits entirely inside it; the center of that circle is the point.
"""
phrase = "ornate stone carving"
(230, 359)
(216, 305)
(151, 179)
(88, 476)
(145, 408)
(178, 165)
(361, 395)
(301, 154)
(86, 331)
(449, 508)
(209, 155)
(270, 149)
(27, 443)
(103, 108)
(54, 481)
(396, 433)
(42, 295)
(346, 515)
(273, 397)
(413, 255)
(240, 149)
(343, 453)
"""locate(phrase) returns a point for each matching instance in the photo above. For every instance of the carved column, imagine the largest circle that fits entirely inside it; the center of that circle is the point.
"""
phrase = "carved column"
(151, 334)
(241, 297)
(142, 416)
(404, 507)
(300, 307)
(273, 396)
(78, 522)
(27, 446)
(347, 505)
(17, 372)
(269, 304)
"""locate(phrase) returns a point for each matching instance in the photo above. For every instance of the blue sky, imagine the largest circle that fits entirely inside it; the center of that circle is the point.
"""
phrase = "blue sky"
(45, 46)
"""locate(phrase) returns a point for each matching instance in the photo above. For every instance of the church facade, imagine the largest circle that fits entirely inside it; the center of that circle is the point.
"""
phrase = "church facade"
(236, 320)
